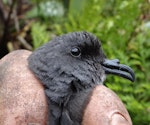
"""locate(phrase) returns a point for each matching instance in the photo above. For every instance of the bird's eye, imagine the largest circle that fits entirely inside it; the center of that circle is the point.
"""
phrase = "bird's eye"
(76, 52)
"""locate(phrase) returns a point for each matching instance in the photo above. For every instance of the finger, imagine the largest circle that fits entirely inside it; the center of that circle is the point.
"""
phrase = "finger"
(22, 98)
(105, 108)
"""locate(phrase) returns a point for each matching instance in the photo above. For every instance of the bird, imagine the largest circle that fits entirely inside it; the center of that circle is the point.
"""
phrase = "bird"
(69, 67)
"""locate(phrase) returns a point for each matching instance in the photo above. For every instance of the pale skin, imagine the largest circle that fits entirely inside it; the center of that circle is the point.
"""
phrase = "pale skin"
(23, 102)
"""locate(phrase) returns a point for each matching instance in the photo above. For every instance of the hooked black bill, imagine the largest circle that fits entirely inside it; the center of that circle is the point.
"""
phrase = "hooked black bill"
(114, 67)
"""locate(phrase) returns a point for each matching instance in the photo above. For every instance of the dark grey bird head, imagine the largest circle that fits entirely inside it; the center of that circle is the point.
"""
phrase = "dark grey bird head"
(72, 63)
(69, 67)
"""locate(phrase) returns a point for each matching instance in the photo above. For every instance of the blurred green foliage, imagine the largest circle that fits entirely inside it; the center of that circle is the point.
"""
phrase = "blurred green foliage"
(125, 34)
(39, 34)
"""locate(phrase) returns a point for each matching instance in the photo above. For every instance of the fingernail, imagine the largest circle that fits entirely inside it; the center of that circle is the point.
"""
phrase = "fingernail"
(118, 119)
(33, 124)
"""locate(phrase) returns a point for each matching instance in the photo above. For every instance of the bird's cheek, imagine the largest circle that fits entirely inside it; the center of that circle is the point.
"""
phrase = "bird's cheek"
(103, 77)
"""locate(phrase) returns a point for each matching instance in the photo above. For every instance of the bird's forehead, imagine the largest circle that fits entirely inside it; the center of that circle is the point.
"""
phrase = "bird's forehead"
(82, 39)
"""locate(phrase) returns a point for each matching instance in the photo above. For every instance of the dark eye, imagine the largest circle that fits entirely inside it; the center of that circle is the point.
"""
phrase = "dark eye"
(76, 52)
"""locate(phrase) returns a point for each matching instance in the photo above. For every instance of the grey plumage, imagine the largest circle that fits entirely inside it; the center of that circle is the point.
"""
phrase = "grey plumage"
(69, 67)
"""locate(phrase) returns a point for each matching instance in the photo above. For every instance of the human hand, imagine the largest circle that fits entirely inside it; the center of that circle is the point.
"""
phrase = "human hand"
(23, 102)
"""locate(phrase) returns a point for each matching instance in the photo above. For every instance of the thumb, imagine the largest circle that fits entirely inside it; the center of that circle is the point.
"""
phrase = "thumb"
(105, 108)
